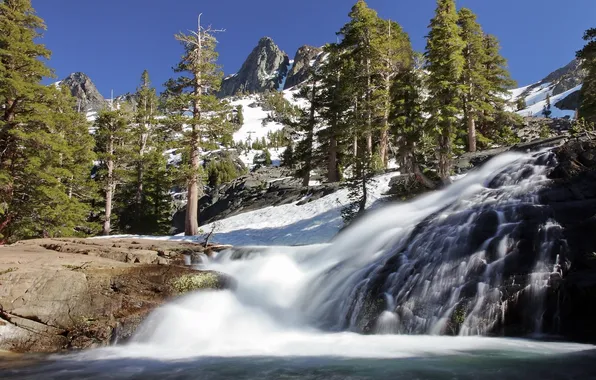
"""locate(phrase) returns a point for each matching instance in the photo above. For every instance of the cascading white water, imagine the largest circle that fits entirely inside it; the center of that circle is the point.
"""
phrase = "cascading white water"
(431, 266)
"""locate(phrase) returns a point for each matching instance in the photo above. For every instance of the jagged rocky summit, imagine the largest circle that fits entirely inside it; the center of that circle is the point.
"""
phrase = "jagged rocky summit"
(84, 90)
(265, 69)
(305, 58)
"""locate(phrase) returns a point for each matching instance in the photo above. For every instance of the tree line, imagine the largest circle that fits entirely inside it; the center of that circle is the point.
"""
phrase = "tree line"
(372, 98)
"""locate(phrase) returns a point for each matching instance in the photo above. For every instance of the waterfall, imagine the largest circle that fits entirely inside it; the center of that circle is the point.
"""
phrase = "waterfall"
(460, 261)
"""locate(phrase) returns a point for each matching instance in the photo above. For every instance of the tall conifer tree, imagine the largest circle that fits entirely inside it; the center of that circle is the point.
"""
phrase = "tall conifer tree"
(113, 139)
(195, 110)
(407, 121)
(41, 188)
(474, 82)
(445, 65)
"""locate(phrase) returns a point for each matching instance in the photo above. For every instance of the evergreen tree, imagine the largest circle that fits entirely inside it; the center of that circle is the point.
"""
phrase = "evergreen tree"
(520, 104)
(394, 56)
(408, 123)
(495, 123)
(112, 144)
(222, 171)
(143, 201)
(359, 37)
(287, 158)
(43, 189)
(307, 122)
(361, 48)
(474, 82)
(195, 110)
(336, 103)
(587, 108)
(546, 111)
(239, 116)
(445, 65)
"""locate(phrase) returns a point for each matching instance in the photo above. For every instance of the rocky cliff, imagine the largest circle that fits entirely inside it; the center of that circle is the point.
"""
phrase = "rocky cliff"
(82, 88)
(559, 82)
(303, 61)
(265, 69)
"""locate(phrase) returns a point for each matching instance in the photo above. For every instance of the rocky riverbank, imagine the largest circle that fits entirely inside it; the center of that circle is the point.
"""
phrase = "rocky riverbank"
(59, 294)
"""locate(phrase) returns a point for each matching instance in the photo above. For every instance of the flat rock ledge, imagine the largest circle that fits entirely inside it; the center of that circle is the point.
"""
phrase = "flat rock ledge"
(65, 294)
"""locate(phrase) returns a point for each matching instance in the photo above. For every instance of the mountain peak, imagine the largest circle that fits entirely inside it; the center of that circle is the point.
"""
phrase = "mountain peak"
(303, 61)
(264, 70)
(83, 88)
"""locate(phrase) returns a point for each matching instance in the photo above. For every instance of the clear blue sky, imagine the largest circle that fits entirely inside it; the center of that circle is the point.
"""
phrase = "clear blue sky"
(113, 41)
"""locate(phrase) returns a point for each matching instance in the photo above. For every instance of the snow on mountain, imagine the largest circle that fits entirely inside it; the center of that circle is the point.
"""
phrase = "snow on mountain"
(536, 102)
(562, 85)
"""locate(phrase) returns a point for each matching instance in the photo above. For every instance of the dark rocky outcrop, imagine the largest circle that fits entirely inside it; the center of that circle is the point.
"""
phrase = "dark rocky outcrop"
(561, 80)
(566, 78)
(303, 61)
(264, 70)
(58, 294)
(261, 188)
(570, 102)
(83, 89)
(468, 161)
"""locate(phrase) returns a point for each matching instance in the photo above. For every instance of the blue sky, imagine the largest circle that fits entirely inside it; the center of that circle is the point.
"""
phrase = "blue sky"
(113, 41)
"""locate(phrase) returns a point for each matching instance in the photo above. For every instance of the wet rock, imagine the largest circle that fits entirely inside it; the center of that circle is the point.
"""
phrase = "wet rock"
(485, 227)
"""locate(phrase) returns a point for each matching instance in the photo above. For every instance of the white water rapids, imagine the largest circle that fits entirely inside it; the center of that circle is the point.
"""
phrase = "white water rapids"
(309, 301)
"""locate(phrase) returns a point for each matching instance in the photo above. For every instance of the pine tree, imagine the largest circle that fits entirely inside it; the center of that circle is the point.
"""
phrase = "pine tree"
(336, 103)
(307, 122)
(495, 123)
(239, 116)
(193, 93)
(144, 130)
(287, 158)
(520, 104)
(407, 121)
(474, 82)
(546, 111)
(394, 56)
(445, 65)
(361, 49)
(42, 186)
(143, 202)
(587, 108)
(112, 144)
(359, 36)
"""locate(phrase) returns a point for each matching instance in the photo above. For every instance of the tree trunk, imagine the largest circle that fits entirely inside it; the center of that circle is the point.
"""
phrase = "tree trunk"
(384, 141)
(471, 133)
(310, 136)
(192, 202)
(141, 168)
(109, 189)
(191, 227)
(363, 200)
(332, 173)
(444, 168)
(369, 143)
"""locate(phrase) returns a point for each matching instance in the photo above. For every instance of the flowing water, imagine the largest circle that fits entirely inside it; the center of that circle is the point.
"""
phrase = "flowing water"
(377, 302)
